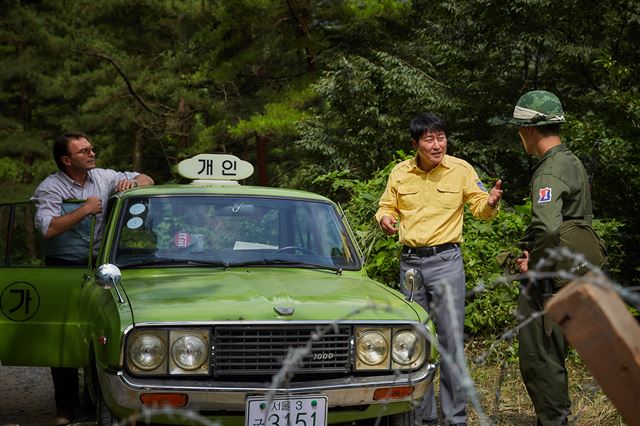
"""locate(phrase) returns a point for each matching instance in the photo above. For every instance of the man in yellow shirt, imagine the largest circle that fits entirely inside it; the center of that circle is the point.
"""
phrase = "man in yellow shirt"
(425, 196)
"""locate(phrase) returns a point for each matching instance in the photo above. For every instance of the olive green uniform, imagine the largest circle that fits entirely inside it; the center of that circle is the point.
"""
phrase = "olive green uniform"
(561, 217)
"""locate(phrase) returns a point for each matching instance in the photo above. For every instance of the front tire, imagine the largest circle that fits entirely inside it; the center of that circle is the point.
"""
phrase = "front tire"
(409, 418)
(104, 416)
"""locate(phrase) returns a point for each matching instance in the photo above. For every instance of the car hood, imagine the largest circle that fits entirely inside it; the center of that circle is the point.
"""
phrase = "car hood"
(257, 294)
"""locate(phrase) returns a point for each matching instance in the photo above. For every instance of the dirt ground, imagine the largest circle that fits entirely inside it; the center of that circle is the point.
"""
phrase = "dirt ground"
(26, 397)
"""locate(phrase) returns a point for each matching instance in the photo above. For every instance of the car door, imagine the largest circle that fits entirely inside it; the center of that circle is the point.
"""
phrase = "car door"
(40, 315)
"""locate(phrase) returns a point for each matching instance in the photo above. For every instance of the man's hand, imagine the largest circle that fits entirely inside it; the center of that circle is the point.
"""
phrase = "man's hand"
(93, 205)
(125, 184)
(495, 195)
(523, 262)
(387, 223)
(61, 224)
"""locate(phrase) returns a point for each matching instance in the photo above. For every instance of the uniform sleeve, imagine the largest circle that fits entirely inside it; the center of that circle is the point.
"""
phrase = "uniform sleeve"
(388, 205)
(547, 193)
(476, 195)
(526, 242)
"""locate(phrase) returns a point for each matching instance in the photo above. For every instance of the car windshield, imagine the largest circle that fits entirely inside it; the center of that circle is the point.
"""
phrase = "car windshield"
(232, 231)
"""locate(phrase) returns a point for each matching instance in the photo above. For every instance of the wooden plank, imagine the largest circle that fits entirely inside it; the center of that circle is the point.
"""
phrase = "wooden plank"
(597, 323)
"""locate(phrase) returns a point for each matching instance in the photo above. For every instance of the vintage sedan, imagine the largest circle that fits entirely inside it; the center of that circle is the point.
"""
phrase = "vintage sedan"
(219, 301)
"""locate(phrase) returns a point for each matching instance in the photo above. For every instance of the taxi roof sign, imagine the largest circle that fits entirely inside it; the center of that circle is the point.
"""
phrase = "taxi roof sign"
(212, 167)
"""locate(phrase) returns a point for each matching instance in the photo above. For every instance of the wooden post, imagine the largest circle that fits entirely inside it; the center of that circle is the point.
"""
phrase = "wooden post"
(598, 325)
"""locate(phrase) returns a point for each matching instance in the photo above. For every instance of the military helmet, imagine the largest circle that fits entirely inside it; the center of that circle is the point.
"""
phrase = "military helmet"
(538, 108)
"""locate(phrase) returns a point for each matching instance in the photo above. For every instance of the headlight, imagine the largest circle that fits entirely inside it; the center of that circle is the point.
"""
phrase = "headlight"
(407, 348)
(189, 352)
(147, 351)
(158, 351)
(372, 349)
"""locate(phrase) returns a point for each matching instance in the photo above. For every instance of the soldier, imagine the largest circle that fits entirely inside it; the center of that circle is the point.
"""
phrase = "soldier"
(561, 217)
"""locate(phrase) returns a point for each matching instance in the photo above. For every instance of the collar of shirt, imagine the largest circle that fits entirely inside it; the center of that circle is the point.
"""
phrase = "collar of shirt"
(550, 152)
(67, 180)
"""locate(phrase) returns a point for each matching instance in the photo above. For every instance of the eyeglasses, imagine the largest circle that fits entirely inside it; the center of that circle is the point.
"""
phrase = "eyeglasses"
(85, 151)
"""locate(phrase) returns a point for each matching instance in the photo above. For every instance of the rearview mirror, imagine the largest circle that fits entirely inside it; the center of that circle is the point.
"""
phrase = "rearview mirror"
(108, 275)
(412, 281)
(239, 209)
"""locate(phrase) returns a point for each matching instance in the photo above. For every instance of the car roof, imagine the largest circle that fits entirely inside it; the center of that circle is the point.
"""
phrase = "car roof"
(222, 189)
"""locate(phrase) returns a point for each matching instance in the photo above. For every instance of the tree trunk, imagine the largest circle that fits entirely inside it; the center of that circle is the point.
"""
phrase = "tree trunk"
(261, 154)
(137, 155)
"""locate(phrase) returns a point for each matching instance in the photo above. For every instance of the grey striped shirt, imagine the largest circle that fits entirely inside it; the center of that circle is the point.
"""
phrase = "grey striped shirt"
(56, 188)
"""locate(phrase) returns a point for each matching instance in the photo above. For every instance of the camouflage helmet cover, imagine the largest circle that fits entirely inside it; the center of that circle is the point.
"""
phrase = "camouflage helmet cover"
(538, 108)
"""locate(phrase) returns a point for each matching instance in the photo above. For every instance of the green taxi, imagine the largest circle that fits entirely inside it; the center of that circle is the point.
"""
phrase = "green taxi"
(218, 301)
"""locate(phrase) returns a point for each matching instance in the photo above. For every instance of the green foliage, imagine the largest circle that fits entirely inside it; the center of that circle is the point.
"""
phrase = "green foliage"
(491, 300)
(367, 103)
(9, 169)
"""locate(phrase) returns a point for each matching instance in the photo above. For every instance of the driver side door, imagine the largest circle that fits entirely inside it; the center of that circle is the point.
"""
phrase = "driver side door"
(40, 315)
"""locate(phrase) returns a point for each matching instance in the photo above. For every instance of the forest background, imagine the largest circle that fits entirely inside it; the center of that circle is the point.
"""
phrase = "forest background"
(318, 95)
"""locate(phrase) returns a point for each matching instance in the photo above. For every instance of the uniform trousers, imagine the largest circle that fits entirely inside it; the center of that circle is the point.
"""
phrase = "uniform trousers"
(542, 362)
(443, 296)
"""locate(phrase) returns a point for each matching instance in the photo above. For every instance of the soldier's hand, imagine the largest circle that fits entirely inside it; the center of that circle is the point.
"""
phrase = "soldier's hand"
(495, 195)
(523, 261)
(387, 223)
(93, 205)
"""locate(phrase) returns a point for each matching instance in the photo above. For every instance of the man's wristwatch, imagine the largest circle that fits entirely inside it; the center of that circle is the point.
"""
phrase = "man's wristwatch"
(135, 183)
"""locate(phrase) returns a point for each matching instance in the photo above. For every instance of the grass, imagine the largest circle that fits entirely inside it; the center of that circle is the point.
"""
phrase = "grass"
(505, 401)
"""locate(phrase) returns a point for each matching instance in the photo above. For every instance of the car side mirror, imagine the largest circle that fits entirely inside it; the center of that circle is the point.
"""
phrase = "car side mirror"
(108, 275)
(412, 281)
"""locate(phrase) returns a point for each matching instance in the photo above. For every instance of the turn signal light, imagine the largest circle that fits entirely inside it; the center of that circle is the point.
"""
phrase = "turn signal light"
(383, 394)
(156, 400)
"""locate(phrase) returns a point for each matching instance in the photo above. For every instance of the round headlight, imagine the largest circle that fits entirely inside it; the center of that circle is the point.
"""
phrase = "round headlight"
(372, 348)
(407, 347)
(147, 351)
(189, 352)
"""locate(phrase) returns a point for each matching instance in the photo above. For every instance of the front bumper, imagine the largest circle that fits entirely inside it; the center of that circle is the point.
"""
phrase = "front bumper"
(123, 392)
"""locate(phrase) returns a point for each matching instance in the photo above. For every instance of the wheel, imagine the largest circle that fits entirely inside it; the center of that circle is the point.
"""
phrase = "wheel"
(409, 418)
(104, 416)
(88, 396)
(293, 248)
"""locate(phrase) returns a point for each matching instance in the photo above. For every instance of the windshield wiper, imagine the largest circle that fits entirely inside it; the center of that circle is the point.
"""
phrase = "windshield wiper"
(286, 262)
(167, 261)
(159, 261)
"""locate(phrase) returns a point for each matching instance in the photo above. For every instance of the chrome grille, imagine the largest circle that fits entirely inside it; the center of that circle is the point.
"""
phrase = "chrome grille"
(262, 349)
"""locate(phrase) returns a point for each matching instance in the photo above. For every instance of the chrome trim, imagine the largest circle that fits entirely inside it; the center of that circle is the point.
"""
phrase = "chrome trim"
(128, 329)
(120, 298)
(351, 235)
(125, 390)
(385, 323)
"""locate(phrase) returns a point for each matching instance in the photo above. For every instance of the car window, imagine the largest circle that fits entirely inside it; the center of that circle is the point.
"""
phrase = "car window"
(20, 242)
(232, 230)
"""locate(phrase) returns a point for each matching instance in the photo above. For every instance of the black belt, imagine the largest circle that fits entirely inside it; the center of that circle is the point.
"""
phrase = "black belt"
(428, 251)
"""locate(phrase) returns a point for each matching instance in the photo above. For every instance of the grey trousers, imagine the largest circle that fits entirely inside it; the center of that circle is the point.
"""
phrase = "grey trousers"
(443, 296)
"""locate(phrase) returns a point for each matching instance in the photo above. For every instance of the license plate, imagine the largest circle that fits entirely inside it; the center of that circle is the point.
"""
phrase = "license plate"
(291, 411)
